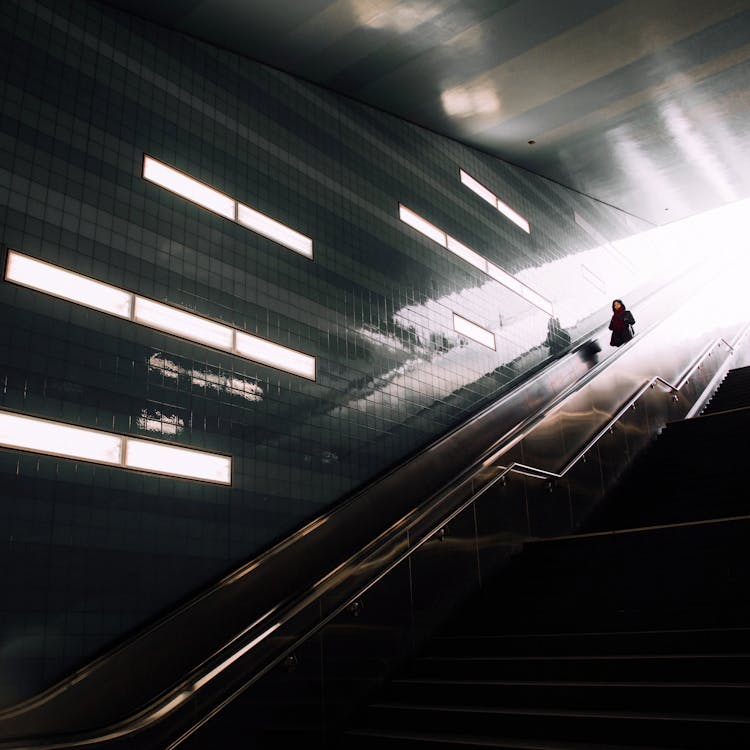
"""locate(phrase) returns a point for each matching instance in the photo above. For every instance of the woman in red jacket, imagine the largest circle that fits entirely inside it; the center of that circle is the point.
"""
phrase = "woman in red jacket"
(621, 324)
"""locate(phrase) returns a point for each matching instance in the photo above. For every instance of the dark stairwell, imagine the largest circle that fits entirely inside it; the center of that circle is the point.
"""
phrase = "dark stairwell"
(632, 633)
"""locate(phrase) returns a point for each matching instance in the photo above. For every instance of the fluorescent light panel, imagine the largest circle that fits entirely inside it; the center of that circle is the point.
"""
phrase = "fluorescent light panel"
(274, 230)
(187, 187)
(505, 278)
(473, 331)
(478, 188)
(490, 197)
(183, 324)
(83, 444)
(519, 288)
(182, 462)
(275, 355)
(515, 217)
(56, 439)
(422, 225)
(594, 279)
(471, 256)
(71, 286)
(538, 300)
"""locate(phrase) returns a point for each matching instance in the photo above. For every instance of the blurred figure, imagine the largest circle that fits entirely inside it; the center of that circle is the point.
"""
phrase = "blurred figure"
(621, 324)
(589, 352)
(558, 339)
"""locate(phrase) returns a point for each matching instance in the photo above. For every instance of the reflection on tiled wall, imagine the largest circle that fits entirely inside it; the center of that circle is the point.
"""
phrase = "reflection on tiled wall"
(92, 551)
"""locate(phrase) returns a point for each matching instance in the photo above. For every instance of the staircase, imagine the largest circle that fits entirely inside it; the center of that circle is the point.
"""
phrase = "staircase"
(734, 392)
(633, 634)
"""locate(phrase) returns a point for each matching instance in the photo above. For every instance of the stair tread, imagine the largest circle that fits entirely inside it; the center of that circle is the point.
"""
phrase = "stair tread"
(590, 633)
(510, 743)
(655, 634)
(566, 713)
(585, 657)
(572, 683)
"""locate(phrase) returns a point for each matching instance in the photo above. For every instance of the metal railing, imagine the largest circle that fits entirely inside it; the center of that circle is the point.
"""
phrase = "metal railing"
(437, 528)
(539, 473)
(266, 627)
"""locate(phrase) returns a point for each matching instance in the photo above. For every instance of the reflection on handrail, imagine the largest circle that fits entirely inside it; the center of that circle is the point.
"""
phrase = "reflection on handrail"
(259, 631)
(414, 545)
(538, 473)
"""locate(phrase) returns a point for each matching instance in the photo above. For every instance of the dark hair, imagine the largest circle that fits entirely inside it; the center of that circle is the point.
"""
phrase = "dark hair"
(618, 300)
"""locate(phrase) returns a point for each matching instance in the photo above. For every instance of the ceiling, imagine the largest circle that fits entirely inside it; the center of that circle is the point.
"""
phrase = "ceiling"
(642, 104)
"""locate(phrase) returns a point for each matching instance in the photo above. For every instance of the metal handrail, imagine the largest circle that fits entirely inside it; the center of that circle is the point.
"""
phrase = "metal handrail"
(267, 622)
(169, 701)
(539, 473)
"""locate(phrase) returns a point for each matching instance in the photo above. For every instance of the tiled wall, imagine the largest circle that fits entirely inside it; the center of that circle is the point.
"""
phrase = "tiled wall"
(91, 551)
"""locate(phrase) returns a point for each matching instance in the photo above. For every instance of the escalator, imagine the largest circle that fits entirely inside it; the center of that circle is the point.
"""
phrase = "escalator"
(715, 445)
(195, 659)
(632, 633)
(313, 624)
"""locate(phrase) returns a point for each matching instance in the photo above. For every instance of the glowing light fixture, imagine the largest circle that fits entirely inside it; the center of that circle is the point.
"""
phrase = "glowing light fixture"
(491, 198)
(274, 230)
(515, 217)
(478, 188)
(538, 300)
(57, 439)
(505, 278)
(422, 225)
(184, 324)
(188, 187)
(474, 258)
(469, 255)
(179, 462)
(71, 286)
(473, 331)
(275, 355)
(519, 288)
(83, 444)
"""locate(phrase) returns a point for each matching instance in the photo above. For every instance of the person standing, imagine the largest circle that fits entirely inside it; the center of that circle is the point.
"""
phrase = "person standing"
(621, 324)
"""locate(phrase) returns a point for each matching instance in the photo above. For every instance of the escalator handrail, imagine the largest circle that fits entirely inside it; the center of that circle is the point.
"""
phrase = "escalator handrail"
(259, 630)
(414, 545)
(674, 388)
(158, 707)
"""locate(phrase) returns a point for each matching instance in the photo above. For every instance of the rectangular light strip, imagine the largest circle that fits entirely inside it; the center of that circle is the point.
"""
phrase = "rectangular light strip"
(602, 240)
(182, 462)
(519, 288)
(269, 353)
(536, 299)
(473, 331)
(478, 188)
(274, 230)
(469, 255)
(595, 280)
(44, 277)
(474, 258)
(183, 324)
(83, 444)
(187, 187)
(516, 218)
(191, 189)
(422, 225)
(491, 198)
